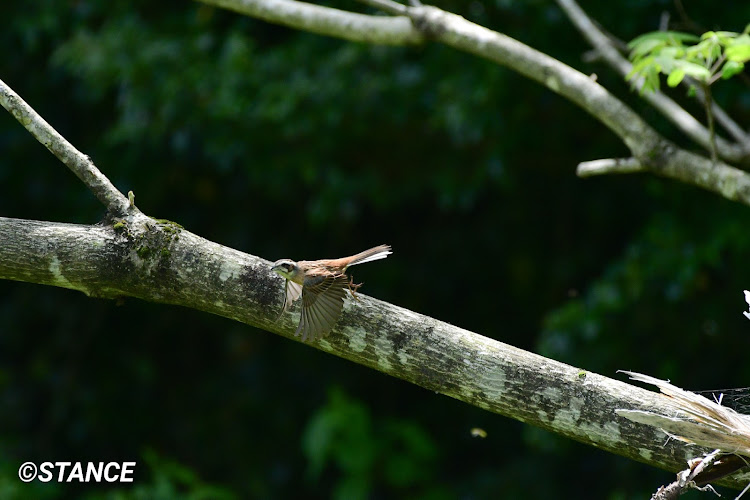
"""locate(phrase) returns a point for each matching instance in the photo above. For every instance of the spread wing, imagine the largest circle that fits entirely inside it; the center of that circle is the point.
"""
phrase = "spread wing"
(292, 292)
(322, 302)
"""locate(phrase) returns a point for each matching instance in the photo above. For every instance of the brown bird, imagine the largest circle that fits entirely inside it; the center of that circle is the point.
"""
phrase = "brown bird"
(323, 285)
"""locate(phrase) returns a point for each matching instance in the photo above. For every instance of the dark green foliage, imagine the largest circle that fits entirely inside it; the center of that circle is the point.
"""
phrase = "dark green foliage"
(395, 455)
(286, 144)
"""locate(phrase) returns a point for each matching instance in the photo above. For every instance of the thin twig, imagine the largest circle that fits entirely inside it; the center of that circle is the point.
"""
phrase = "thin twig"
(744, 490)
(79, 163)
(686, 20)
(721, 116)
(710, 119)
(715, 67)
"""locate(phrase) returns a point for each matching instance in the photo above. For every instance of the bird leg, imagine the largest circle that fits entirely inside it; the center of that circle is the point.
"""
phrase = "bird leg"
(354, 287)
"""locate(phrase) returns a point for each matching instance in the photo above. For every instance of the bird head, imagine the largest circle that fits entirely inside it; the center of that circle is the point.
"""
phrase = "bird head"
(286, 268)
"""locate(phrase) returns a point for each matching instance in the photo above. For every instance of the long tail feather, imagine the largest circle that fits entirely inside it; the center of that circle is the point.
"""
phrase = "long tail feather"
(375, 253)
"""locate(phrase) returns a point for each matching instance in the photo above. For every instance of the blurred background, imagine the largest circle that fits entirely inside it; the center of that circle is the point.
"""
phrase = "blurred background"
(238, 129)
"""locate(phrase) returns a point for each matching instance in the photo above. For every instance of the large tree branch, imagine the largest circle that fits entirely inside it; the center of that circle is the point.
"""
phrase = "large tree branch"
(327, 21)
(651, 150)
(683, 120)
(79, 163)
(137, 256)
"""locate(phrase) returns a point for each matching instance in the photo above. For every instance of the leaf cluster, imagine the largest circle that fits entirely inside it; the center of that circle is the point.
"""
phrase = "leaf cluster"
(713, 55)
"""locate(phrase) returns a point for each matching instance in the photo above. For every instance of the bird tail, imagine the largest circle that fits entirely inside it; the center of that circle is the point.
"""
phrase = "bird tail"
(375, 253)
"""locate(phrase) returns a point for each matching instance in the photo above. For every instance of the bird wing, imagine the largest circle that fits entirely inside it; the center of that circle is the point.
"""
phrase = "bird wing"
(322, 302)
(292, 291)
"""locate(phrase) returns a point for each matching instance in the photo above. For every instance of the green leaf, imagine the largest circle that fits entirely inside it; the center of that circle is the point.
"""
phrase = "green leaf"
(673, 37)
(648, 69)
(651, 82)
(726, 36)
(695, 70)
(675, 77)
(639, 67)
(739, 49)
(731, 68)
(665, 64)
(671, 53)
(706, 51)
(643, 48)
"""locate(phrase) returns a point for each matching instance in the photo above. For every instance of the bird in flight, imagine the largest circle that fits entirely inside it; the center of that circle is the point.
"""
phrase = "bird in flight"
(322, 285)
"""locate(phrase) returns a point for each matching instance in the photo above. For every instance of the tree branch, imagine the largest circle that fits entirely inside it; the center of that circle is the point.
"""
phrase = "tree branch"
(668, 108)
(656, 154)
(327, 21)
(140, 257)
(79, 163)
(388, 6)
(609, 166)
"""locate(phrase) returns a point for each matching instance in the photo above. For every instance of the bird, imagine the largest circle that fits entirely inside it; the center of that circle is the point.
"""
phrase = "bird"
(322, 285)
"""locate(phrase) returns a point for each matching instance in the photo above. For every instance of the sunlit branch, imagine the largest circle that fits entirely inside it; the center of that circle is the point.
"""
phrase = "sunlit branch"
(327, 21)
(609, 166)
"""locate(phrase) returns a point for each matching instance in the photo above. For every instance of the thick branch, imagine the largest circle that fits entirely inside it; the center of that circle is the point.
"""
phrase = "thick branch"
(79, 163)
(668, 108)
(158, 261)
(327, 21)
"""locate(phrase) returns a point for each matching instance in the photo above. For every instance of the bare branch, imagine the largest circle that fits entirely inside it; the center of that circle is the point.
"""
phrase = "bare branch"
(388, 6)
(79, 163)
(327, 21)
(609, 166)
(158, 261)
(670, 109)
